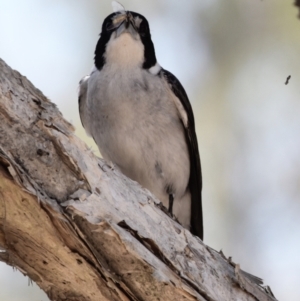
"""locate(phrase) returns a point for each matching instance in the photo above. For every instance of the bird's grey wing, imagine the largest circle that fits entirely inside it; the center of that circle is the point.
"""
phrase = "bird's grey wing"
(83, 102)
(195, 181)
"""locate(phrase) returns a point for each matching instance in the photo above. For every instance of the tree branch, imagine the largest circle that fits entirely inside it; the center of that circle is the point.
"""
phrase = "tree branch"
(82, 230)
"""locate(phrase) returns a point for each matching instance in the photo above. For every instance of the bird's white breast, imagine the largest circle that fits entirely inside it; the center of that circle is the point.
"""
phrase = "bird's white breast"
(136, 125)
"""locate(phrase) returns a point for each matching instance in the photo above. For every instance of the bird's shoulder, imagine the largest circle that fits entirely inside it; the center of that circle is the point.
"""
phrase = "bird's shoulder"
(184, 106)
(82, 101)
(82, 87)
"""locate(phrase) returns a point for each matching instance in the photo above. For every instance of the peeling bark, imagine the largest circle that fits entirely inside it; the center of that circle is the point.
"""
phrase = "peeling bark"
(82, 230)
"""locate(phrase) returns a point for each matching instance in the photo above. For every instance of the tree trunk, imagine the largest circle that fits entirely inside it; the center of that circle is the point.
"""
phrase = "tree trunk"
(82, 230)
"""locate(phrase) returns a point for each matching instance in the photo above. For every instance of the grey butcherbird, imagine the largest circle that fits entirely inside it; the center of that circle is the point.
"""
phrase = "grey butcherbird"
(140, 117)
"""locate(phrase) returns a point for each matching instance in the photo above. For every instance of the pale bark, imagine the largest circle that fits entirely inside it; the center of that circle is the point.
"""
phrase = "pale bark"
(82, 230)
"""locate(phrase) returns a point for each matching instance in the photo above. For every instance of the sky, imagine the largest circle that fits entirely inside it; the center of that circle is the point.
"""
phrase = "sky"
(233, 58)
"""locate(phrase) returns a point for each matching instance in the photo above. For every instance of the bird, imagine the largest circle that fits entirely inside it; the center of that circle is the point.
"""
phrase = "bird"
(140, 117)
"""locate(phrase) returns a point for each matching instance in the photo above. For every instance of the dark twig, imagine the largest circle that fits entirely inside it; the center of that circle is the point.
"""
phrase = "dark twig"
(297, 3)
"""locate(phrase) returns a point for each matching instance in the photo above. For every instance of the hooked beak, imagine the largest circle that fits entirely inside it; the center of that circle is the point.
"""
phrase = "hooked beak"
(127, 25)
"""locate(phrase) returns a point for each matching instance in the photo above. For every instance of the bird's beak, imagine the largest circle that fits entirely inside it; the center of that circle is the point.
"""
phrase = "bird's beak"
(127, 25)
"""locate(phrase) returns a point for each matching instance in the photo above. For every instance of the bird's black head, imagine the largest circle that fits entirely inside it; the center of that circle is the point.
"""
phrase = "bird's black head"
(125, 39)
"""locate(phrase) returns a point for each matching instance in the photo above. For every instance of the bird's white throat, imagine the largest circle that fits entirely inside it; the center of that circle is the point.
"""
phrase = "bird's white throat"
(125, 51)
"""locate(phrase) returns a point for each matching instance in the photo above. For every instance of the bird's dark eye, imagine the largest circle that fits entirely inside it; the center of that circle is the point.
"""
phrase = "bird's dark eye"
(109, 26)
(144, 29)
